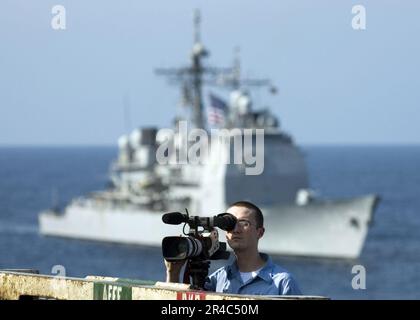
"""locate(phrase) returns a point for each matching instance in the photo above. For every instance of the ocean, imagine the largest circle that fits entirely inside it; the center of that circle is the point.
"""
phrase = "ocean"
(33, 178)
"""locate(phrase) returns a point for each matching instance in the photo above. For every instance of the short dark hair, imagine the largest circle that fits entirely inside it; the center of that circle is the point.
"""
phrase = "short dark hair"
(257, 211)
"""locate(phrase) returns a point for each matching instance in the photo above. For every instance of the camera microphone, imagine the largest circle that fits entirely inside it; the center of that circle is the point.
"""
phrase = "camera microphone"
(174, 218)
(224, 221)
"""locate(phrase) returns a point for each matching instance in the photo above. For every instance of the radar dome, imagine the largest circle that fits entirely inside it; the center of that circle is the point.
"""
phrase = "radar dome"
(135, 137)
(199, 50)
(241, 101)
(123, 142)
(234, 96)
(244, 103)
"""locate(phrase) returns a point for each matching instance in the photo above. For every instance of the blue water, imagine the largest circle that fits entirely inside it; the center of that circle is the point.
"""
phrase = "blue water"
(391, 256)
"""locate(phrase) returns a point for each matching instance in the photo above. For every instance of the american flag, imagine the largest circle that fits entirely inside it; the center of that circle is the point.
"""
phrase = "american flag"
(216, 110)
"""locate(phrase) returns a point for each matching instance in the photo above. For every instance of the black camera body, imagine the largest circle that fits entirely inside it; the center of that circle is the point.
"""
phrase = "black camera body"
(199, 245)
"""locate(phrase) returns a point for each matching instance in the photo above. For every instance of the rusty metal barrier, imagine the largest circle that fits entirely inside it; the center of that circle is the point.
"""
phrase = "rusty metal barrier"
(21, 285)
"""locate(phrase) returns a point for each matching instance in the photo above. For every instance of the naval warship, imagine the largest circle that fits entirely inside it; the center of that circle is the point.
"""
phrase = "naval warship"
(297, 222)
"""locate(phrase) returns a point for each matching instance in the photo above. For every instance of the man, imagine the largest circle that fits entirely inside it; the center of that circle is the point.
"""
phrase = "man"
(252, 272)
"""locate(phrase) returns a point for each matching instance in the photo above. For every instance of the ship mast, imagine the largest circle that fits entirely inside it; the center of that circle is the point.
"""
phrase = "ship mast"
(192, 77)
(197, 71)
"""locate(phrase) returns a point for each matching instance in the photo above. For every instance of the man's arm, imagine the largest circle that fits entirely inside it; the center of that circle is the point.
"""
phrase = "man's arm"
(173, 270)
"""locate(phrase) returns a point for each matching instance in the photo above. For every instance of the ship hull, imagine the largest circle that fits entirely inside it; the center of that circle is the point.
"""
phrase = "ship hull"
(333, 229)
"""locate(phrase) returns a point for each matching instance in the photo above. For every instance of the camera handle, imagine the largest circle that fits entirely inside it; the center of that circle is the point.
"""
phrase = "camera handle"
(198, 271)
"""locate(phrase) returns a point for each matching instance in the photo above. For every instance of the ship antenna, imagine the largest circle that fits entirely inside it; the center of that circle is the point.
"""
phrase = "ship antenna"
(197, 20)
(237, 68)
(197, 71)
(127, 118)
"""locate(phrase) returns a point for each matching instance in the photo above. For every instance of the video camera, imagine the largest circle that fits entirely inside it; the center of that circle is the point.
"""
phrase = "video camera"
(199, 245)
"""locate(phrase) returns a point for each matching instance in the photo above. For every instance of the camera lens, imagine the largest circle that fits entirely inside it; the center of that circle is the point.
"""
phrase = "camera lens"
(194, 247)
(179, 248)
(182, 249)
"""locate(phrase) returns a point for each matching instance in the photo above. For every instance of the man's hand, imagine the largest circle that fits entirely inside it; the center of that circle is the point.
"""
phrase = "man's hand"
(173, 269)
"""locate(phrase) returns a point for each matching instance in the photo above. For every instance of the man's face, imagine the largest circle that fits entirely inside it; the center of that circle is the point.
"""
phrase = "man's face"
(245, 236)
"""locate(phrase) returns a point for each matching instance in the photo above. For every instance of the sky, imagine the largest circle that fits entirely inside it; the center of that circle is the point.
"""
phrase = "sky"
(336, 85)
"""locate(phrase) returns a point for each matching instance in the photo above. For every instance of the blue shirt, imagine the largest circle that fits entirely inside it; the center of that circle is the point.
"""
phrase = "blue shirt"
(270, 280)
